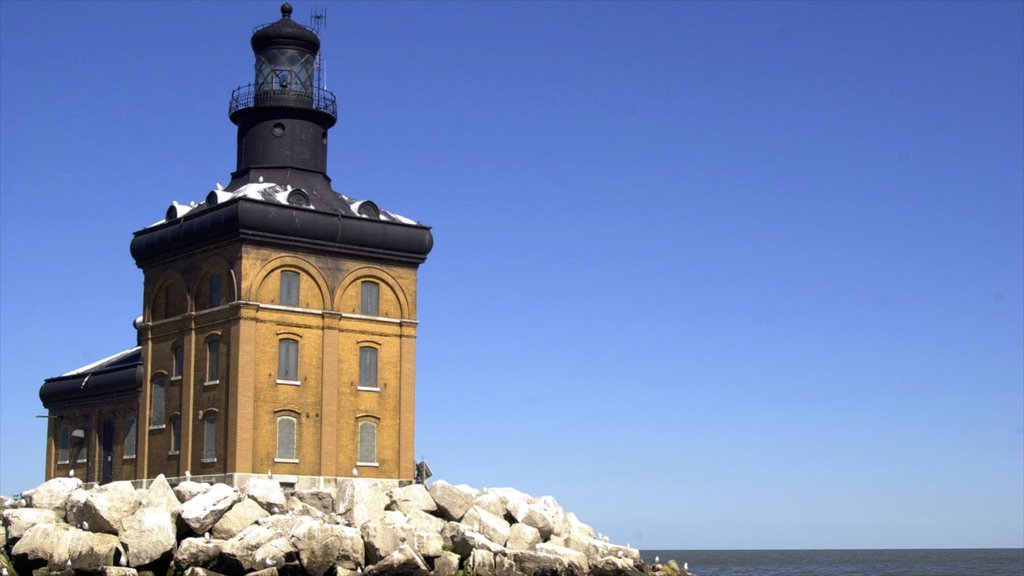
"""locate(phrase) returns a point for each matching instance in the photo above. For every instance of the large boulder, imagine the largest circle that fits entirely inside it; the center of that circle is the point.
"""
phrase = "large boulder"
(555, 513)
(322, 500)
(452, 501)
(148, 534)
(402, 562)
(383, 535)
(465, 540)
(102, 508)
(447, 564)
(243, 514)
(244, 545)
(495, 528)
(576, 560)
(481, 562)
(412, 497)
(204, 510)
(18, 520)
(321, 546)
(361, 500)
(160, 495)
(534, 562)
(523, 537)
(273, 554)
(614, 566)
(52, 494)
(533, 514)
(491, 502)
(266, 492)
(198, 552)
(63, 546)
(189, 489)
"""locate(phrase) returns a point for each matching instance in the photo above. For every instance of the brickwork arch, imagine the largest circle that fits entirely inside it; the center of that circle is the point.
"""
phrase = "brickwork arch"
(313, 288)
(169, 298)
(394, 303)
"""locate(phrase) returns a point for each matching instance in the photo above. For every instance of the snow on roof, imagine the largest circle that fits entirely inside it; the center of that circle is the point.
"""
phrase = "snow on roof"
(107, 360)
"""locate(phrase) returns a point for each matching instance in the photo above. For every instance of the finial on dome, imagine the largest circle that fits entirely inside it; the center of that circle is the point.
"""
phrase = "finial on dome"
(286, 10)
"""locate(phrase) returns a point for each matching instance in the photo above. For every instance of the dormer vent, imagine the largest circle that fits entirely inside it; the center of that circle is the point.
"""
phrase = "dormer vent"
(176, 211)
(298, 197)
(367, 208)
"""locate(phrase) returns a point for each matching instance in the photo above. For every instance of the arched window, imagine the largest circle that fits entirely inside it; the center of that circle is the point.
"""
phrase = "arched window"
(130, 435)
(369, 303)
(157, 403)
(213, 362)
(64, 445)
(210, 436)
(368, 368)
(288, 361)
(215, 291)
(289, 288)
(175, 421)
(179, 361)
(367, 443)
(287, 438)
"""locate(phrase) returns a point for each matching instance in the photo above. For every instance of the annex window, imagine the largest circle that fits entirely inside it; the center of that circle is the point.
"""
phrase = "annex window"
(288, 361)
(289, 288)
(64, 445)
(179, 362)
(210, 437)
(213, 362)
(287, 428)
(367, 443)
(130, 435)
(175, 434)
(215, 281)
(157, 403)
(368, 367)
(369, 303)
(83, 451)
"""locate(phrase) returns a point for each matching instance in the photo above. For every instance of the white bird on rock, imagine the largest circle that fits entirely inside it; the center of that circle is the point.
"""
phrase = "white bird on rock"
(270, 562)
(270, 473)
(188, 475)
(207, 536)
(85, 525)
(71, 473)
(68, 564)
(124, 561)
(657, 559)
(686, 566)
(355, 471)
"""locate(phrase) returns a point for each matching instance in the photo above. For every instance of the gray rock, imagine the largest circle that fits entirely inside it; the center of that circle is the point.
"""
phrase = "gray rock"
(18, 520)
(118, 571)
(613, 566)
(201, 512)
(533, 562)
(149, 533)
(285, 524)
(361, 500)
(465, 541)
(495, 528)
(447, 564)
(482, 562)
(197, 552)
(523, 537)
(412, 497)
(272, 554)
(102, 508)
(52, 494)
(452, 501)
(322, 500)
(321, 546)
(297, 507)
(243, 546)
(243, 514)
(402, 562)
(383, 536)
(160, 495)
(195, 571)
(188, 490)
(576, 560)
(266, 492)
(61, 546)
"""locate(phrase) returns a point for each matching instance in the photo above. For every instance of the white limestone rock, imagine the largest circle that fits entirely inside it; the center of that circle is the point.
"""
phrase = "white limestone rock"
(555, 513)
(244, 545)
(533, 562)
(297, 507)
(272, 554)
(361, 500)
(243, 514)
(19, 520)
(196, 571)
(577, 560)
(52, 494)
(383, 535)
(62, 546)
(188, 490)
(523, 537)
(402, 562)
(447, 564)
(198, 552)
(160, 495)
(118, 571)
(482, 562)
(148, 534)
(266, 492)
(613, 566)
(532, 514)
(452, 501)
(321, 546)
(103, 507)
(495, 528)
(491, 502)
(466, 540)
(412, 497)
(321, 500)
(201, 512)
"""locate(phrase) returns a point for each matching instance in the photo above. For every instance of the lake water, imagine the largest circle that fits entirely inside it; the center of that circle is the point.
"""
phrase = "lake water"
(944, 562)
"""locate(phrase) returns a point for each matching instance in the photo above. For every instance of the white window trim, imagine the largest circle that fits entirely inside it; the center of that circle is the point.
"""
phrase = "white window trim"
(211, 382)
(386, 319)
(178, 377)
(63, 461)
(368, 388)
(368, 464)
(174, 452)
(82, 460)
(157, 426)
(208, 460)
(287, 460)
(127, 457)
(290, 382)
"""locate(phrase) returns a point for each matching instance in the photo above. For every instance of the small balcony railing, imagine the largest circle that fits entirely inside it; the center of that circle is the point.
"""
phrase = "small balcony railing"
(248, 97)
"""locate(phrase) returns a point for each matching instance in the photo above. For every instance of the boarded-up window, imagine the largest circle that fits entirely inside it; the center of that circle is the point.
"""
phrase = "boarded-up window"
(130, 434)
(64, 445)
(367, 367)
(175, 434)
(215, 290)
(288, 360)
(289, 288)
(210, 436)
(367, 443)
(286, 428)
(370, 299)
(157, 403)
(213, 361)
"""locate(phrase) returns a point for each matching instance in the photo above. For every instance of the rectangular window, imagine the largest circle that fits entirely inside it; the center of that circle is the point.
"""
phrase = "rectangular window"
(64, 445)
(179, 361)
(286, 439)
(289, 288)
(129, 438)
(175, 434)
(369, 304)
(288, 361)
(212, 362)
(210, 437)
(367, 443)
(156, 404)
(83, 451)
(368, 367)
(214, 290)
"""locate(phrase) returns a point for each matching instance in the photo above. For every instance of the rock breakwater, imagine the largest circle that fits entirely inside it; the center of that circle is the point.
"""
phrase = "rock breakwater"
(363, 527)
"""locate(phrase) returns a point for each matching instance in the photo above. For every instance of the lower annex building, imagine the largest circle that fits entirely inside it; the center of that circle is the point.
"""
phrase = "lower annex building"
(278, 330)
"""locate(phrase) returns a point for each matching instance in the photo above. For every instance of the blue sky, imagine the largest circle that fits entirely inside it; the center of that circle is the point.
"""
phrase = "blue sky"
(714, 275)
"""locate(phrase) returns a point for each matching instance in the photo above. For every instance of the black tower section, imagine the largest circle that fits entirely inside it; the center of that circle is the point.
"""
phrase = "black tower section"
(283, 117)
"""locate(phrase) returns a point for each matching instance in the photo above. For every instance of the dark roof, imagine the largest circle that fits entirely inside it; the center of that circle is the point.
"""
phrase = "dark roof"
(285, 32)
(110, 376)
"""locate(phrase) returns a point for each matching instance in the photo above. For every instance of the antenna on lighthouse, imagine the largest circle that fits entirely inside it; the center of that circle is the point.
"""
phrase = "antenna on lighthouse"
(318, 21)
